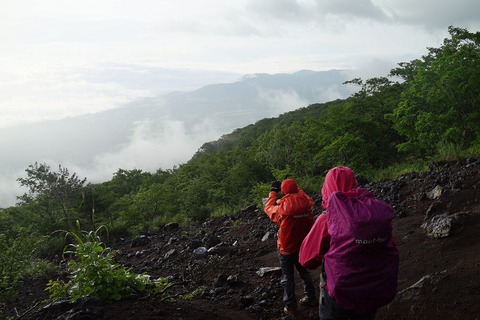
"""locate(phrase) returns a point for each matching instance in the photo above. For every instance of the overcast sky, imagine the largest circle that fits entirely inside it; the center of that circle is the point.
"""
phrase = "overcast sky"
(62, 58)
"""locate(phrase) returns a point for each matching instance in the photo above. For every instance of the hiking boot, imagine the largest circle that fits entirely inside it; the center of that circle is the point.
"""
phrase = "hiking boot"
(308, 302)
(289, 310)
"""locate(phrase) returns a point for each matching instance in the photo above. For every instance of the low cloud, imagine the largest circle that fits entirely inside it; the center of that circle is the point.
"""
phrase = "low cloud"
(152, 146)
(58, 98)
(277, 102)
(9, 188)
(373, 68)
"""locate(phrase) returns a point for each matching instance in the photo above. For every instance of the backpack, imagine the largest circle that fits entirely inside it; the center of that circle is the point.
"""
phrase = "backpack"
(361, 265)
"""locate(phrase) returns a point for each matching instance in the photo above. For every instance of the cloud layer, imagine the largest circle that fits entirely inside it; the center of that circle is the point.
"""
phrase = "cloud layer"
(65, 59)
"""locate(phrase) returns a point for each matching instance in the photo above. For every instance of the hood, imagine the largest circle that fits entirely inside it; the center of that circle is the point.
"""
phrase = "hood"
(289, 186)
(337, 179)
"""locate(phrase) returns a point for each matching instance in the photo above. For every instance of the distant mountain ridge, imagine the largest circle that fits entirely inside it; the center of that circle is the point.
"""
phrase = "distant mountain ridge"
(192, 118)
(258, 96)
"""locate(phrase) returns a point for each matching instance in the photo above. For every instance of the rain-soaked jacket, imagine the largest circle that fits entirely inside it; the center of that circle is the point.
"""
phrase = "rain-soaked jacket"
(292, 213)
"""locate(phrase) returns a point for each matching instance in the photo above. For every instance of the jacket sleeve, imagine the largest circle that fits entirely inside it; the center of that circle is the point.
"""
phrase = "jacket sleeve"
(271, 208)
(315, 245)
(325, 237)
(306, 196)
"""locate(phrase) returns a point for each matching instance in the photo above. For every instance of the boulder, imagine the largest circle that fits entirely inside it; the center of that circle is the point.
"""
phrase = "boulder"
(443, 225)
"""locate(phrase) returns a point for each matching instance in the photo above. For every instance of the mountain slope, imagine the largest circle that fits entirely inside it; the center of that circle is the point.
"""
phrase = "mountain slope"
(163, 131)
(438, 279)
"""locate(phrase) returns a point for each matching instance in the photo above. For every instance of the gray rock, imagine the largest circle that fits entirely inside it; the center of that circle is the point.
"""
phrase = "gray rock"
(169, 253)
(269, 270)
(220, 249)
(443, 225)
(435, 193)
(220, 281)
(267, 236)
(200, 252)
(140, 241)
(420, 287)
(172, 240)
(234, 280)
(212, 241)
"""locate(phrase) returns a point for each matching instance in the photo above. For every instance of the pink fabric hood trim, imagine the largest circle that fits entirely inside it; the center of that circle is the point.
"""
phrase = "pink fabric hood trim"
(337, 179)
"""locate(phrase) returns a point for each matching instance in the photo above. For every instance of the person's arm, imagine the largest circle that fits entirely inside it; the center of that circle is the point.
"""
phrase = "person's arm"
(315, 245)
(325, 237)
(271, 207)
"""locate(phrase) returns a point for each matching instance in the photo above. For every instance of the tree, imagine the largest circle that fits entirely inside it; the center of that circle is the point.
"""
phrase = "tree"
(440, 105)
(57, 195)
(356, 132)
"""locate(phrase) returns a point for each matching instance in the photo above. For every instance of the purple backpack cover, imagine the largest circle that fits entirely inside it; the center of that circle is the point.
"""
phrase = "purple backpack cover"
(362, 263)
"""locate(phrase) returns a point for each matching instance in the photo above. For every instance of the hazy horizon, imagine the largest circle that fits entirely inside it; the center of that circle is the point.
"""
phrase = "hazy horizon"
(62, 60)
(159, 132)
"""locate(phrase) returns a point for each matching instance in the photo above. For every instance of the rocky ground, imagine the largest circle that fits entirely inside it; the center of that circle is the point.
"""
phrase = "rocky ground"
(437, 227)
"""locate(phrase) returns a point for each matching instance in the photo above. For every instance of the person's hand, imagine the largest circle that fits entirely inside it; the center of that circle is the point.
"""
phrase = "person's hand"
(276, 186)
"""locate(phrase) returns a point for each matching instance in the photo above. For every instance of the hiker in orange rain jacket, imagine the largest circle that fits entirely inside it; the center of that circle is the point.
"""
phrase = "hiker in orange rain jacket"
(293, 214)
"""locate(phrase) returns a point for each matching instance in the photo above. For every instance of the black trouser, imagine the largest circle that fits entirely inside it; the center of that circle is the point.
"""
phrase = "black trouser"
(289, 263)
(330, 310)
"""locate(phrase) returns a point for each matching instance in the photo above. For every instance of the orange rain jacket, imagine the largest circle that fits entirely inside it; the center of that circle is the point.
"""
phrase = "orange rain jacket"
(292, 213)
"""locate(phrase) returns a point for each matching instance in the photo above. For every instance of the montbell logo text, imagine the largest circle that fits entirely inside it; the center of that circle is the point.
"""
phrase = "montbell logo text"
(304, 215)
(370, 241)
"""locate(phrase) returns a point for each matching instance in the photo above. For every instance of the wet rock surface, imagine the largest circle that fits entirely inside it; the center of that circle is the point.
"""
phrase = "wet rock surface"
(234, 260)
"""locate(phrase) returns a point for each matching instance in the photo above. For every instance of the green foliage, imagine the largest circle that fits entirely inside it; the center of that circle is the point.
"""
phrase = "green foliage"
(94, 272)
(124, 182)
(311, 184)
(441, 97)
(53, 196)
(194, 294)
(19, 261)
(396, 170)
(281, 174)
(448, 151)
(356, 133)
(259, 192)
(221, 211)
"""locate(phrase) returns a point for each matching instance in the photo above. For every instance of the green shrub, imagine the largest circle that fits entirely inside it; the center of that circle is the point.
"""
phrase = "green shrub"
(259, 192)
(449, 151)
(195, 293)
(311, 184)
(93, 272)
(18, 261)
(221, 210)
(395, 171)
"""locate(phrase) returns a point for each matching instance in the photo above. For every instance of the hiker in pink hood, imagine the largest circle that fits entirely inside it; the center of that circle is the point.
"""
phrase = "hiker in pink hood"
(352, 242)
(337, 179)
